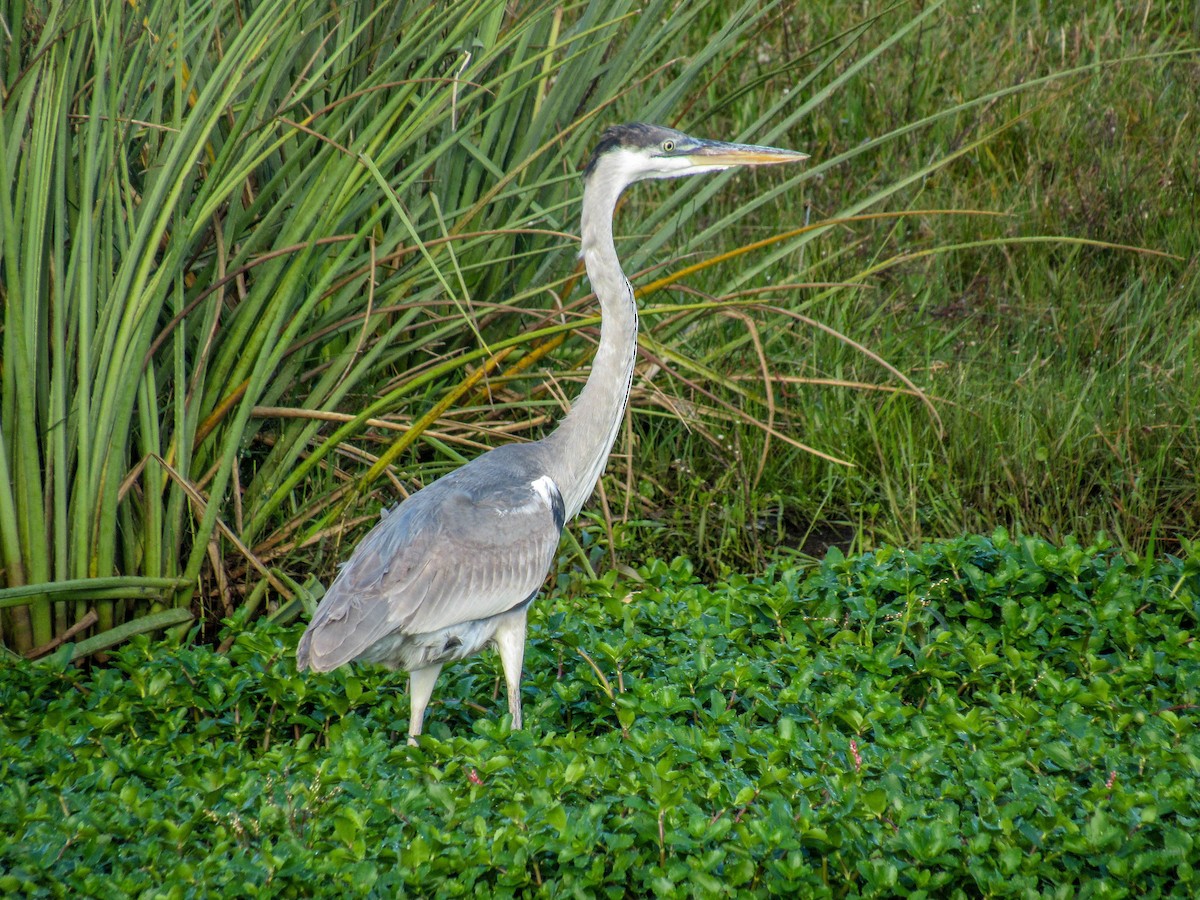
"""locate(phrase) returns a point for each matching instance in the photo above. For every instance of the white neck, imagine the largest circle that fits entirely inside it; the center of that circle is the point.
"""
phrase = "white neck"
(578, 449)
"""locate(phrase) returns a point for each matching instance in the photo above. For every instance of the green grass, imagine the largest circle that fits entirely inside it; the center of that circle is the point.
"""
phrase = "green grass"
(1064, 373)
(253, 270)
(267, 268)
(252, 295)
(995, 717)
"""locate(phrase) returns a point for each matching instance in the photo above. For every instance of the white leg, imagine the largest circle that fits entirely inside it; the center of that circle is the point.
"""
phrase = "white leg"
(510, 642)
(420, 689)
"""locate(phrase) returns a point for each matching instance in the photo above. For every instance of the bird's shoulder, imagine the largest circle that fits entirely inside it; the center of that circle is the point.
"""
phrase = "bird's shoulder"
(470, 545)
(502, 499)
(501, 486)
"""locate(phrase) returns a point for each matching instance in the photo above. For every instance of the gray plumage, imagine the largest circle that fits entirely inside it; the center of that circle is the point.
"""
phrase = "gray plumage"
(478, 541)
(455, 566)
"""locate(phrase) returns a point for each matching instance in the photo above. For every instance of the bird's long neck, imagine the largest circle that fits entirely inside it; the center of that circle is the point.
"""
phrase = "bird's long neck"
(579, 447)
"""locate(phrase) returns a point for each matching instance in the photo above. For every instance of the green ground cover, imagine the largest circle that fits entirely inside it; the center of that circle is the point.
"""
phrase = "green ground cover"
(980, 717)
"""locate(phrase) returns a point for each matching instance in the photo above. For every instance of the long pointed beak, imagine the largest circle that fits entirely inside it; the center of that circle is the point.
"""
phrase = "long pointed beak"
(719, 153)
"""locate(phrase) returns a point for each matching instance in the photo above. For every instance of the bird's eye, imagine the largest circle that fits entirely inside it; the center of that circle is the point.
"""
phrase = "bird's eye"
(668, 146)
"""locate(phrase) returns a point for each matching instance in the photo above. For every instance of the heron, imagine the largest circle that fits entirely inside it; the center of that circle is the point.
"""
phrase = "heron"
(455, 566)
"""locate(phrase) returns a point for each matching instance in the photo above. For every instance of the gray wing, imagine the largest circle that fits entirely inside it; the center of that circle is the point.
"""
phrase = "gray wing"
(472, 545)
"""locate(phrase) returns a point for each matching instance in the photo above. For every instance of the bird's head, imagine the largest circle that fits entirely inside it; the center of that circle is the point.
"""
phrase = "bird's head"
(635, 152)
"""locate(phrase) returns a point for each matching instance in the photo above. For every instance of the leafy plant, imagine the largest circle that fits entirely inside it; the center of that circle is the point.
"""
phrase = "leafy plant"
(987, 716)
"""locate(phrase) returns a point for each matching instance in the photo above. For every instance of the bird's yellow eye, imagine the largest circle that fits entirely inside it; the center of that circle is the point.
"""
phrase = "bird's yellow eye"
(668, 146)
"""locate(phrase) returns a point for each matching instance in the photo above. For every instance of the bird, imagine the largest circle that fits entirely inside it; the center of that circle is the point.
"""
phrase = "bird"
(455, 566)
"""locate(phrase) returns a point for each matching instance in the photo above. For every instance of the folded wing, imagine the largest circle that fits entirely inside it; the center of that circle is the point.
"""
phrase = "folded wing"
(472, 545)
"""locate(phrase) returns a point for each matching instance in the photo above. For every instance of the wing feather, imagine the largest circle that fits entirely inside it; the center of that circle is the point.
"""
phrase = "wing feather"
(470, 546)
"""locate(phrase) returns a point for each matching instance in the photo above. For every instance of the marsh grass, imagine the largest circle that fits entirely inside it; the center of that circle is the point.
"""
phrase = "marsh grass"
(238, 261)
(272, 274)
(1063, 372)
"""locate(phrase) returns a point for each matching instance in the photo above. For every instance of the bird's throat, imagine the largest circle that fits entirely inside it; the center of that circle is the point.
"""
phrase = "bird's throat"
(579, 447)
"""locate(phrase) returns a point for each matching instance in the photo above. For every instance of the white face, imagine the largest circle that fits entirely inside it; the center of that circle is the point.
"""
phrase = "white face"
(631, 165)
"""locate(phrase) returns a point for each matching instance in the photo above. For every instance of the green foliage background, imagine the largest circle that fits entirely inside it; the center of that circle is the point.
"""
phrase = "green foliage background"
(266, 267)
(248, 246)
